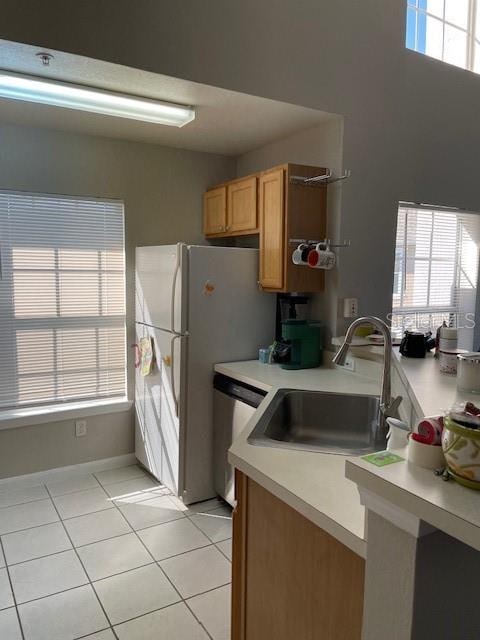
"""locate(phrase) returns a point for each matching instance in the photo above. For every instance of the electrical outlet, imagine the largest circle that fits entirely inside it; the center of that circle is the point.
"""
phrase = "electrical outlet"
(350, 308)
(349, 364)
(80, 428)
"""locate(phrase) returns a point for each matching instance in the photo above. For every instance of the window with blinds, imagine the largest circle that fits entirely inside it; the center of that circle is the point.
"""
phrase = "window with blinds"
(62, 300)
(436, 270)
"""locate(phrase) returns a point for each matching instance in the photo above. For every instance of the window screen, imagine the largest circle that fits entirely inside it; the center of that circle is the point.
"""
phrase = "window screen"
(436, 269)
(62, 299)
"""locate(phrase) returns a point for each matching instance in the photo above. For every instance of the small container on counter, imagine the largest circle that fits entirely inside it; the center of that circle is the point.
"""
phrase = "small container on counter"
(448, 360)
(264, 355)
(427, 456)
(468, 378)
(448, 338)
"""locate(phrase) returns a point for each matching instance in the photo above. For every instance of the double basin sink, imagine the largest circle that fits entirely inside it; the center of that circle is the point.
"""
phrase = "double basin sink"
(319, 421)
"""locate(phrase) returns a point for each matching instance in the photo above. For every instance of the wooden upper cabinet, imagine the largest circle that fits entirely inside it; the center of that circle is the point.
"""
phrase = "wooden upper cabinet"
(280, 210)
(272, 222)
(215, 211)
(231, 209)
(242, 205)
(290, 211)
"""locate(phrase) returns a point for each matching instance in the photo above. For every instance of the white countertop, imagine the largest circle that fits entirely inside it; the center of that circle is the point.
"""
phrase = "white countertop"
(431, 392)
(447, 506)
(312, 483)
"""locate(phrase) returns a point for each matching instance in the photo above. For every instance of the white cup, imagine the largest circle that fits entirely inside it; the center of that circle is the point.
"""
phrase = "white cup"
(299, 254)
(428, 456)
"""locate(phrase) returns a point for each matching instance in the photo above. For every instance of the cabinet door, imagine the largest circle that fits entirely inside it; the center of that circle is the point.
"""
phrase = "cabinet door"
(290, 579)
(242, 205)
(215, 211)
(272, 215)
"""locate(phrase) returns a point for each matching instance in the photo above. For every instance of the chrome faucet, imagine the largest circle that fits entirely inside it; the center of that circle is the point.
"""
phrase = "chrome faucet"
(388, 405)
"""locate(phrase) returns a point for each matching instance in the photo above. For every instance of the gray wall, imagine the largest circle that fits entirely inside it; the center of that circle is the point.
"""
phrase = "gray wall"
(411, 130)
(162, 191)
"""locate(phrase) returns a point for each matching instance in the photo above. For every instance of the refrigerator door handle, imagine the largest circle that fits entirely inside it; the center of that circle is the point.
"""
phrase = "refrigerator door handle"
(138, 359)
(172, 365)
(174, 287)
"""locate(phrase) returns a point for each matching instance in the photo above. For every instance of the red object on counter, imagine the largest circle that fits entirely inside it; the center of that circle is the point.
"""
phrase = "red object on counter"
(430, 429)
(419, 438)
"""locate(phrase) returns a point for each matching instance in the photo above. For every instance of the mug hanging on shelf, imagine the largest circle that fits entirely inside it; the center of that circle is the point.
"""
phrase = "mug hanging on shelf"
(300, 255)
(315, 254)
(322, 257)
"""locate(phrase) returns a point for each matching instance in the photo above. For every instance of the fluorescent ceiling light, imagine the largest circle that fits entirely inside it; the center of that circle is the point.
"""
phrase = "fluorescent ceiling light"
(60, 94)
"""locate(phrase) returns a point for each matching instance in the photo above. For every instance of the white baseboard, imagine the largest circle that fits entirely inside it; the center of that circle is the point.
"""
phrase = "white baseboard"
(40, 477)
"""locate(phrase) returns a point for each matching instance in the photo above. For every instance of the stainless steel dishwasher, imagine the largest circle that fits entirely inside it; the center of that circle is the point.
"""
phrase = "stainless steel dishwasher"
(234, 403)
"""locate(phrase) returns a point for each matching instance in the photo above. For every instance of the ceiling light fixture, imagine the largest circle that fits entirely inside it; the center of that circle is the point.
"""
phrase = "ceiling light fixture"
(60, 94)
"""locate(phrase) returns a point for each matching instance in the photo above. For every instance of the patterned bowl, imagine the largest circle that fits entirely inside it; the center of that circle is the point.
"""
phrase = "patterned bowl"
(461, 448)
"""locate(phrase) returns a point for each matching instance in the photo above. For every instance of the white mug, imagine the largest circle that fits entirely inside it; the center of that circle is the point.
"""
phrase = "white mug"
(299, 255)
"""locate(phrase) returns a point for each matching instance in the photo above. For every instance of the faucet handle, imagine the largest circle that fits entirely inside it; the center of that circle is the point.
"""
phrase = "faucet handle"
(391, 411)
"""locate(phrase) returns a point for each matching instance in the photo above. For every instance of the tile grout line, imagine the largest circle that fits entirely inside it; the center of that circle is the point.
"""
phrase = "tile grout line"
(51, 499)
(13, 592)
(7, 533)
(222, 552)
(21, 504)
(89, 635)
(47, 555)
(55, 593)
(113, 503)
(198, 620)
(140, 475)
(93, 475)
(99, 485)
(206, 534)
(151, 555)
(83, 567)
(183, 600)
(120, 535)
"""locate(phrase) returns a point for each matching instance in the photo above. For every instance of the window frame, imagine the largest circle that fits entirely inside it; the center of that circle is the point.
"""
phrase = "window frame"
(37, 412)
(472, 40)
(452, 311)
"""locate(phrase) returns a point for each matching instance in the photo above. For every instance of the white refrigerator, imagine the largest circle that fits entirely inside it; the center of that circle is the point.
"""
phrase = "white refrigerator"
(199, 305)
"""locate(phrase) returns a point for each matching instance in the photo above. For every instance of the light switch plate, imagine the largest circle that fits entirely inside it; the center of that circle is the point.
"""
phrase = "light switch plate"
(80, 428)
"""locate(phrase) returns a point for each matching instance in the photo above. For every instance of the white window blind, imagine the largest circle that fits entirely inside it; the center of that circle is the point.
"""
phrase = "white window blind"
(436, 269)
(62, 299)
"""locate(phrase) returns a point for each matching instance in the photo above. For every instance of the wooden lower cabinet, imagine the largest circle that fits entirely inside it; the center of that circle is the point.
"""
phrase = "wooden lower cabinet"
(291, 580)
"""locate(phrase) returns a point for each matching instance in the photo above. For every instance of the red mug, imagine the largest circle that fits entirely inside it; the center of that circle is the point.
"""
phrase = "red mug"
(313, 257)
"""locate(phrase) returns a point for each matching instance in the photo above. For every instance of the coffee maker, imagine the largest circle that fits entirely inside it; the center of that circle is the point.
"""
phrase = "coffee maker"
(297, 341)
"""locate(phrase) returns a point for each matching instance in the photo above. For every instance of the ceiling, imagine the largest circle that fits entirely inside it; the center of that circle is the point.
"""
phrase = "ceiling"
(226, 122)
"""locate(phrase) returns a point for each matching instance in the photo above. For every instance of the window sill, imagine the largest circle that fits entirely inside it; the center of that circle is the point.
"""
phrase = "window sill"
(12, 418)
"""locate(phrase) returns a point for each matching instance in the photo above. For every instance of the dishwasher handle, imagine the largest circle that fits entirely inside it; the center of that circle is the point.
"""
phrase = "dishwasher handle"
(239, 390)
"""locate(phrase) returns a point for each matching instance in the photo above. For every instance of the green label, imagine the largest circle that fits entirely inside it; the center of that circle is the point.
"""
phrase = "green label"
(382, 458)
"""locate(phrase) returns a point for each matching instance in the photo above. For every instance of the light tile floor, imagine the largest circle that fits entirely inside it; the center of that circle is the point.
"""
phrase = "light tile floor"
(112, 556)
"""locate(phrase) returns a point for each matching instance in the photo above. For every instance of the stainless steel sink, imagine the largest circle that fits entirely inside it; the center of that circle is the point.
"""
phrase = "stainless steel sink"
(319, 421)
